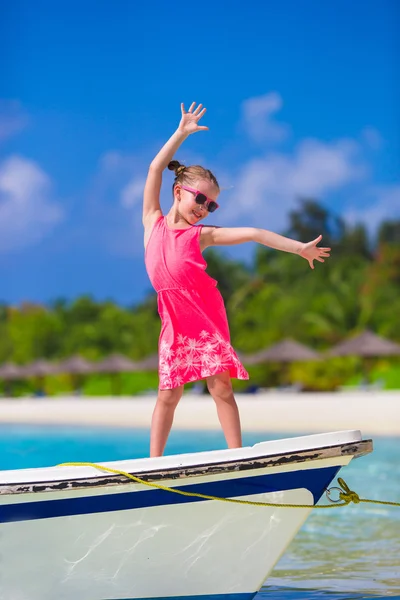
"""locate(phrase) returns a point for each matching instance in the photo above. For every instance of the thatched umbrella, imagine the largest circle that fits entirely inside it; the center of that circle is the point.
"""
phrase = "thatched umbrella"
(285, 352)
(116, 364)
(76, 367)
(39, 369)
(150, 363)
(8, 372)
(368, 345)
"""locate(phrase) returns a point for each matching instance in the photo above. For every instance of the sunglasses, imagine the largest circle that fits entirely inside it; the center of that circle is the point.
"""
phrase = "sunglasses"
(202, 199)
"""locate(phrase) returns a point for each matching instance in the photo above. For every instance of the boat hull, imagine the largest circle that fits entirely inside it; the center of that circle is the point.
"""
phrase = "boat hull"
(129, 541)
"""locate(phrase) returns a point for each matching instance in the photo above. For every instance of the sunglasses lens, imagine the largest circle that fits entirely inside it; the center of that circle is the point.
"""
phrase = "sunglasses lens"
(201, 198)
(212, 206)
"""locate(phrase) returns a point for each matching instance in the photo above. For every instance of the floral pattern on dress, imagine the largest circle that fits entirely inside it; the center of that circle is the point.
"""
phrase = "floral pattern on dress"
(191, 359)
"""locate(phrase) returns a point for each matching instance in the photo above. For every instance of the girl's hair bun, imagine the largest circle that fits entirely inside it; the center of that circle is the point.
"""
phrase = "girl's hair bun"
(176, 166)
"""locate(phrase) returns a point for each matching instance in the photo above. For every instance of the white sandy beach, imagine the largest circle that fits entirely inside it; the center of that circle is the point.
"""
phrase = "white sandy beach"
(373, 412)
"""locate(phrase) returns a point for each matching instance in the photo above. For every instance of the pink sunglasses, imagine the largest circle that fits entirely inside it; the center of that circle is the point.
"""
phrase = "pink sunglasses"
(202, 199)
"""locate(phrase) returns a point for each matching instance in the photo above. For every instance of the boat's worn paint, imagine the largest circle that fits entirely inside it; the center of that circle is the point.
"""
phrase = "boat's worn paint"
(350, 449)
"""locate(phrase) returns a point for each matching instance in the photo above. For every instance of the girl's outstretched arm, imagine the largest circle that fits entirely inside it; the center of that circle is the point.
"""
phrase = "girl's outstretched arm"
(151, 196)
(228, 236)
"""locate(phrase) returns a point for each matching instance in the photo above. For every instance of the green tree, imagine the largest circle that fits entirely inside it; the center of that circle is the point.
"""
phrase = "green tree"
(33, 332)
(389, 232)
(312, 219)
(354, 241)
(230, 274)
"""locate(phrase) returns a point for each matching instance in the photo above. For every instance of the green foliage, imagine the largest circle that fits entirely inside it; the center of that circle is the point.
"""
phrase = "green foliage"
(312, 219)
(325, 375)
(278, 296)
(231, 275)
(389, 232)
(125, 384)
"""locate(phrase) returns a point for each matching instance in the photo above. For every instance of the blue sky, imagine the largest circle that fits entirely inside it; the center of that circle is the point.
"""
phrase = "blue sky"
(302, 97)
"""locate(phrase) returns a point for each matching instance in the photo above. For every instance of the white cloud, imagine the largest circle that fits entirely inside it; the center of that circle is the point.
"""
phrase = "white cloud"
(268, 187)
(115, 162)
(26, 212)
(372, 138)
(12, 118)
(257, 118)
(112, 203)
(115, 175)
(382, 203)
(132, 193)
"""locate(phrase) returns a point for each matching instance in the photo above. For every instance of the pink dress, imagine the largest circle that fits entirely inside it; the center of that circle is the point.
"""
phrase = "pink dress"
(194, 341)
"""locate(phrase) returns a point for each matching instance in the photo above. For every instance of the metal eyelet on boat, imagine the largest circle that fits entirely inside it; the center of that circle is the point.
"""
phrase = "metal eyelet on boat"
(328, 494)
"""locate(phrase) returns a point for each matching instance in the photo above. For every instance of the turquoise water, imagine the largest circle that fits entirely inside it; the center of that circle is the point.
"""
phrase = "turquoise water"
(344, 554)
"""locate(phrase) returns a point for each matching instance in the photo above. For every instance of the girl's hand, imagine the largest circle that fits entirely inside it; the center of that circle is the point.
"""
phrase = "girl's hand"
(312, 252)
(190, 119)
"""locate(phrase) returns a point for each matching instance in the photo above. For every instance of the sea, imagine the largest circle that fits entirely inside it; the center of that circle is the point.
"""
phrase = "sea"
(345, 554)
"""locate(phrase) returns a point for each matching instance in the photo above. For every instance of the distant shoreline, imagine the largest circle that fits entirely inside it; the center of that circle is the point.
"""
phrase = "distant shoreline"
(373, 412)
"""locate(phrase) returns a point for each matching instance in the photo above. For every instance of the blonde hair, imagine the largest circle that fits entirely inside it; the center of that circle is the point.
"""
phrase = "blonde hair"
(190, 174)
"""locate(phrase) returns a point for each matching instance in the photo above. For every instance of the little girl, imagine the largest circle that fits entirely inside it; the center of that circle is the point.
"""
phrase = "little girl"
(194, 341)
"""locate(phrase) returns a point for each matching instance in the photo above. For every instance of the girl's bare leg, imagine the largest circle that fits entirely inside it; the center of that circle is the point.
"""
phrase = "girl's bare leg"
(163, 416)
(220, 388)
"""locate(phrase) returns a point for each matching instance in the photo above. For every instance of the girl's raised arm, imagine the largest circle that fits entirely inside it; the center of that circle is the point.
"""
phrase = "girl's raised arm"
(151, 196)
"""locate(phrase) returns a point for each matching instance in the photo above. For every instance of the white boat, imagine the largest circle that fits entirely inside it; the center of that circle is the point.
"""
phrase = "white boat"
(77, 533)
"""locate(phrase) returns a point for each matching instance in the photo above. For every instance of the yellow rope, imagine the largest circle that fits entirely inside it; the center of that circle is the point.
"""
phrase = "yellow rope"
(346, 495)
